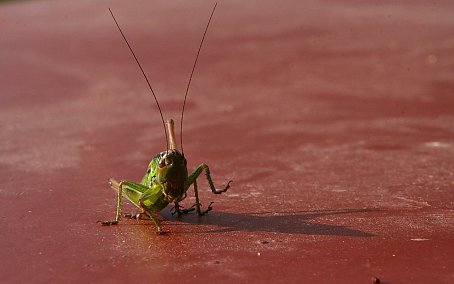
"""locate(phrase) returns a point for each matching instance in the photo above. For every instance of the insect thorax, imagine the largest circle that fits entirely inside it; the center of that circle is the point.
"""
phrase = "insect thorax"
(168, 169)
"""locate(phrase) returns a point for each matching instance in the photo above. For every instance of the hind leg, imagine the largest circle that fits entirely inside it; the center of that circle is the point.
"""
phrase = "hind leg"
(133, 189)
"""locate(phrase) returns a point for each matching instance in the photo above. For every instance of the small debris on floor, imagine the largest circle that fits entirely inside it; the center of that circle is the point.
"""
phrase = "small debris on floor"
(419, 240)
(376, 280)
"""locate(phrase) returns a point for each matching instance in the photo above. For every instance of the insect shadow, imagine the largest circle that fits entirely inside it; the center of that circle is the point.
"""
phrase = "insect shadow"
(279, 222)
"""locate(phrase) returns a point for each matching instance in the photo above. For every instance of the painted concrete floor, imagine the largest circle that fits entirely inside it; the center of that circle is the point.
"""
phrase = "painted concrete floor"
(334, 119)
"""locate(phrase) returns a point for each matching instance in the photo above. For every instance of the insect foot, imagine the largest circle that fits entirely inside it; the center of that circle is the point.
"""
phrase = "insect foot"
(160, 232)
(108, 223)
(131, 216)
(177, 209)
(138, 216)
(204, 212)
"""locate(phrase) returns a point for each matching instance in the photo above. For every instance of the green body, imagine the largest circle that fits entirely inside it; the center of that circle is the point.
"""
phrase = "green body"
(155, 191)
(166, 181)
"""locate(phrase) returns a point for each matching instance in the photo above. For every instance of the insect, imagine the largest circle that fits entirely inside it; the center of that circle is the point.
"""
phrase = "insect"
(166, 179)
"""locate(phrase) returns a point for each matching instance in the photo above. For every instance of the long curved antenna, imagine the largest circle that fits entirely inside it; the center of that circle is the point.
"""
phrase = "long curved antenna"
(145, 76)
(190, 77)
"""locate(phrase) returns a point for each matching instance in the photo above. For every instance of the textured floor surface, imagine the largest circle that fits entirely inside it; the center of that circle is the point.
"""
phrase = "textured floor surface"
(335, 119)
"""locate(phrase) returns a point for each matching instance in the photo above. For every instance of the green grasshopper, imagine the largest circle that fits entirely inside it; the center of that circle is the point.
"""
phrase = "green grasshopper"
(166, 179)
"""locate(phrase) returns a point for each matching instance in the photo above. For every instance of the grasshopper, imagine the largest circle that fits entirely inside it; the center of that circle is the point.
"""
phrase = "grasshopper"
(166, 179)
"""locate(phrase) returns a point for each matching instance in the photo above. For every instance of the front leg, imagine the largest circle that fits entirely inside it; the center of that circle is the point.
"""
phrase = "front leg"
(192, 179)
(198, 205)
(152, 218)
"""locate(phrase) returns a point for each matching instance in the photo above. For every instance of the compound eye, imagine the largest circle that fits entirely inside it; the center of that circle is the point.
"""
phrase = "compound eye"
(168, 161)
(162, 163)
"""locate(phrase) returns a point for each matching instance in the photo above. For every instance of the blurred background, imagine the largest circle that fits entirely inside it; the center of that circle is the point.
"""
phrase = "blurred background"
(333, 118)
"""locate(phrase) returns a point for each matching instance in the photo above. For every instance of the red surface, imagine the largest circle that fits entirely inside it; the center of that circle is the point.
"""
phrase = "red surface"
(334, 118)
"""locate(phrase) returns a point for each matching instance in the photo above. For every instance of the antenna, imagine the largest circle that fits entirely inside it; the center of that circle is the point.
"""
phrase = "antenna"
(145, 76)
(190, 77)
